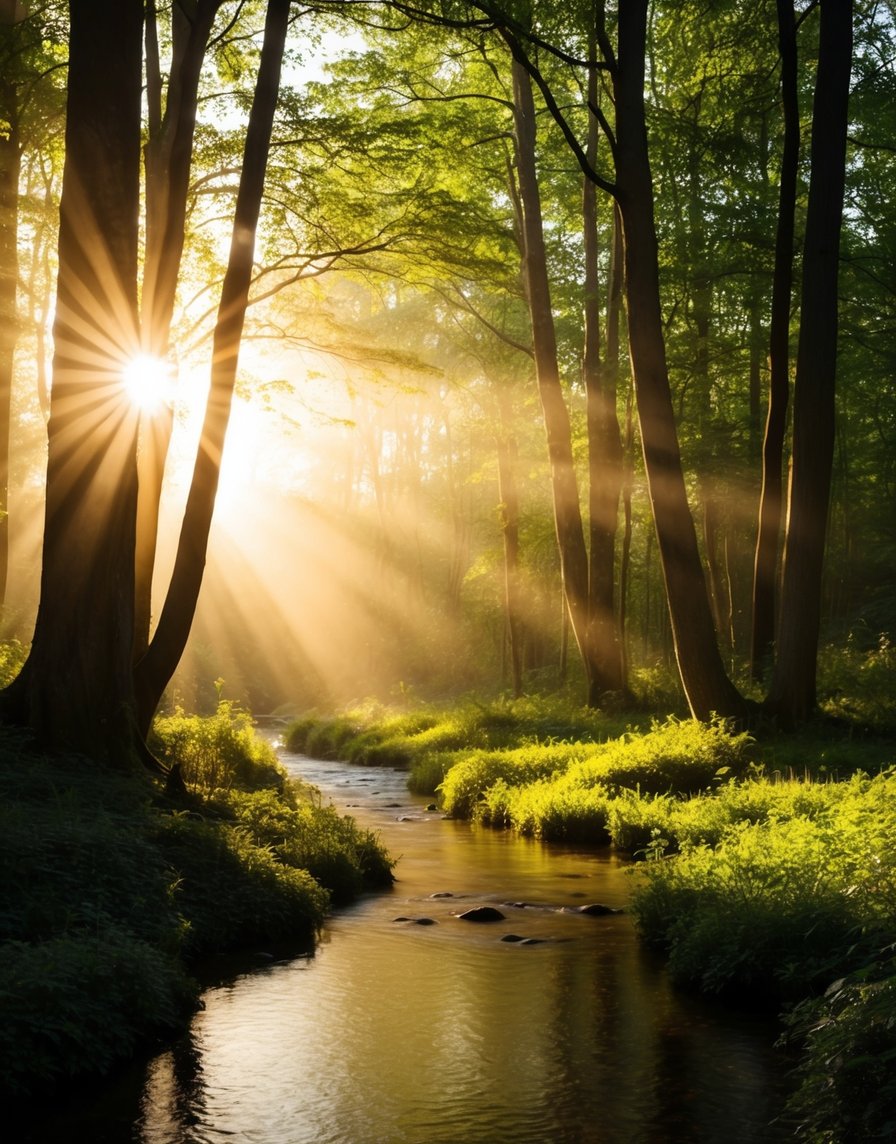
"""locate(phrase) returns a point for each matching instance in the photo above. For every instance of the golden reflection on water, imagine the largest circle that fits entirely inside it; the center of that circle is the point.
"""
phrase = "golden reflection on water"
(396, 1033)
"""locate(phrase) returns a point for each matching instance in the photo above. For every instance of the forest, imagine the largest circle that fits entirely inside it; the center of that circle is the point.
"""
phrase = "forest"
(499, 391)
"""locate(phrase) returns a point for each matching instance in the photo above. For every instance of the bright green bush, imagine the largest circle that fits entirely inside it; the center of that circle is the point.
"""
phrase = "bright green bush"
(781, 904)
(420, 739)
(12, 656)
(678, 755)
(548, 810)
(635, 822)
(217, 752)
(467, 782)
(671, 756)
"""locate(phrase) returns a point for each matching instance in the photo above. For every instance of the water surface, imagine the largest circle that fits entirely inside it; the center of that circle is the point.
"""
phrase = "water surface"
(396, 1032)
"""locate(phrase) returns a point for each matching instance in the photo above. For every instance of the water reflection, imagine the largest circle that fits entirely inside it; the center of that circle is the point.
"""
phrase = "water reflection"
(396, 1033)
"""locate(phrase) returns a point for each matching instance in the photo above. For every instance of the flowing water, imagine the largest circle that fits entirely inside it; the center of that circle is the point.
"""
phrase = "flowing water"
(438, 1032)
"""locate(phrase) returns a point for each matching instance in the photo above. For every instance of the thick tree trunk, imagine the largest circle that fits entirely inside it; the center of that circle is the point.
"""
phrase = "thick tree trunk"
(771, 502)
(76, 688)
(792, 693)
(706, 685)
(155, 669)
(604, 445)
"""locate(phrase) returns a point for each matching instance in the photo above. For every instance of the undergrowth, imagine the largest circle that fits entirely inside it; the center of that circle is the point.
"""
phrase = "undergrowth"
(112, 896)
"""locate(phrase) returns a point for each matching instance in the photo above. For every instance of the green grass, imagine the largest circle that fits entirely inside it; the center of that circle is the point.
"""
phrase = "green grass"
(111, 897)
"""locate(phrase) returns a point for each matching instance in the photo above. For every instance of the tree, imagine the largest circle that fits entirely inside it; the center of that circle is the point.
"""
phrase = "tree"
(168, 156)
(792, 693)
(76, 688)
(155, 668)
(771, 503)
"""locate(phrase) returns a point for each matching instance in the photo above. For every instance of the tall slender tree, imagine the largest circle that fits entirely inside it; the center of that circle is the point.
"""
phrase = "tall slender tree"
(792, 694)
(155, 668)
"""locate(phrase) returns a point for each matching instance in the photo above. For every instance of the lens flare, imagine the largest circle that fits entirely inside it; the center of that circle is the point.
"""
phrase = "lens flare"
(148, 382)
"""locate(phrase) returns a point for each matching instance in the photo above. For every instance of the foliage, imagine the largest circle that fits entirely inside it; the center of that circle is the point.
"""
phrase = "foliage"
(12, 656)
(847, 1077)
(857, 682)
(265, 899)
(779, 905)
(542, 782)
(217, 752)
(110, 895)
(300, 833)
(81, 1001)
(429, 739)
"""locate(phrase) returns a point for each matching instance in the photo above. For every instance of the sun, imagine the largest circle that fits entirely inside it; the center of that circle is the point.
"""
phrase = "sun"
(148, 382)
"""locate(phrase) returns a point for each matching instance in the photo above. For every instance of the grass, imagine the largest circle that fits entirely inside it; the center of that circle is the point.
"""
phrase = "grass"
(112, 897)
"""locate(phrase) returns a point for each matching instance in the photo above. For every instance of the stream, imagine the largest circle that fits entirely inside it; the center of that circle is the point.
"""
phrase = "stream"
(402, 1032)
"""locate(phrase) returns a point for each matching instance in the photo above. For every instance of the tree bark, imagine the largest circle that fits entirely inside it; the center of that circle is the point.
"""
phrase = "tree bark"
(771, 503)
(706, 685)
(564, 485)
(155, 669)
(10, 165)
(510, 532)
(792, 693)
(604, 443)
(167, 161)
(76, 689)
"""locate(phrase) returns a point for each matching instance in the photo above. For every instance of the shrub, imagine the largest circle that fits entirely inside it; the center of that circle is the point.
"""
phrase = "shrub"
(343, 857)
(468, 780)
(780, 905)
(217, 752)
(12, 656)
(264, 901)
(77, 1003)
(847, 1074)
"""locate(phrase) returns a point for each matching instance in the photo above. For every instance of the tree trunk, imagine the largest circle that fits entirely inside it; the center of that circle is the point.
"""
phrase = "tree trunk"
(155, 669)
(510, 532)
(10, 164)
(792, 694)
(604, 444)
(167, 161)
(771, 505)
(706, 685)
(76, 689)
(564, 486)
